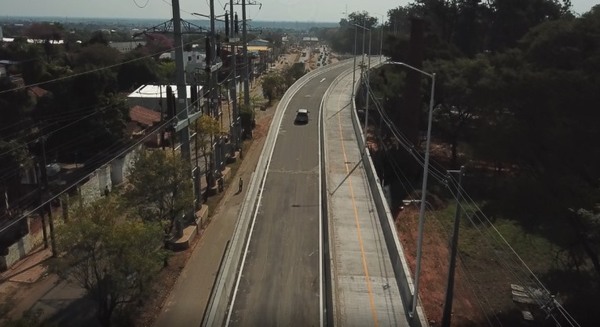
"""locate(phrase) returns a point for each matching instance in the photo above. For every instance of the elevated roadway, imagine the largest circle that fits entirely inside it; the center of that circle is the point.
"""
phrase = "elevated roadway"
(365, 292)
(281, 278)
(315, 243)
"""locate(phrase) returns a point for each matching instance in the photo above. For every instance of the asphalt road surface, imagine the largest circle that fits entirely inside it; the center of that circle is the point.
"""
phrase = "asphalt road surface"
(280, 283)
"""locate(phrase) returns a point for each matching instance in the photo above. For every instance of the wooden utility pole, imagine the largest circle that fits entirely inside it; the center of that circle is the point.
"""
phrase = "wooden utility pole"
(181, 103)
(447, 313)
(236, 126)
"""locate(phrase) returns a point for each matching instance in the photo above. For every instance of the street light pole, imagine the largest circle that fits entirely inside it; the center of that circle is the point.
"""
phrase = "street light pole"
(424, 186)
(380, 37)
(354, 66)
(381, 41)
(423, 199)
(367, 84)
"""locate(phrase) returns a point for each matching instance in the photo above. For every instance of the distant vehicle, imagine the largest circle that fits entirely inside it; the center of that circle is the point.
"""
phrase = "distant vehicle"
(301, 116)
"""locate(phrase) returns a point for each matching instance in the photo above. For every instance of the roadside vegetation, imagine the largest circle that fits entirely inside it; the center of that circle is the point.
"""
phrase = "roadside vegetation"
(115, 247)
(275, 83)
(67, 103)
(111, 253)
(515, 102)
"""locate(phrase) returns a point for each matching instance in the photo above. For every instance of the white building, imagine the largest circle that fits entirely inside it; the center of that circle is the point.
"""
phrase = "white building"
(127, 46)
(151, 97)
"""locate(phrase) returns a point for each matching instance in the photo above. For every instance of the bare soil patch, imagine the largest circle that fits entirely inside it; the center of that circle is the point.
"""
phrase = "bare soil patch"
(434, 271)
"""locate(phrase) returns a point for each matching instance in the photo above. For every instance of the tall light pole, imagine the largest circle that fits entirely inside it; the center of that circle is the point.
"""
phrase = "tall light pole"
(367, 83)
(354, 64)
(362, 55)
(381, 37)
(424, 186)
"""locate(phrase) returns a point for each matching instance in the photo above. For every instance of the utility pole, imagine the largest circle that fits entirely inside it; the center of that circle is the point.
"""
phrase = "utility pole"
(181, 104)
(447, 313)
(214, 110)
(212, 47)
(246, 64)
(233, 84)
(46, 204)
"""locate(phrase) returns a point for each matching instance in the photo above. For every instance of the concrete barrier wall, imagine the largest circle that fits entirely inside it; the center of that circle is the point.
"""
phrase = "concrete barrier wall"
(395, 249)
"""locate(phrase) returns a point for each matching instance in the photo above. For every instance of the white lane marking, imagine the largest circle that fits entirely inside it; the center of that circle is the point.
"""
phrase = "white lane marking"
(319, 122)
(323, 80)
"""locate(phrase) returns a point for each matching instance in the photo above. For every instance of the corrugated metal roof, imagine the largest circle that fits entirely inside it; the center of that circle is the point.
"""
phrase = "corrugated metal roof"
(144, 116)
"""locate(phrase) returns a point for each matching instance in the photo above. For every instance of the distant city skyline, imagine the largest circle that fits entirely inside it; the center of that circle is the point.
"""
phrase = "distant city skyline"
(271, 10)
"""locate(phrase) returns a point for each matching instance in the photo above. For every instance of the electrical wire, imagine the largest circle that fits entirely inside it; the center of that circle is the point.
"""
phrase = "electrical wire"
(396, 169)
(509, 267)
(77, 182)
(141, 7)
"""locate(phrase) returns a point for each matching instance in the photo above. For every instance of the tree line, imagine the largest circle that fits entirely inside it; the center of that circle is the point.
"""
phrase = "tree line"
(516, 99)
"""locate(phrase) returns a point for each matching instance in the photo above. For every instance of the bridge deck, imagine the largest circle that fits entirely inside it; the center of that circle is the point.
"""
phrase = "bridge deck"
(365, 292)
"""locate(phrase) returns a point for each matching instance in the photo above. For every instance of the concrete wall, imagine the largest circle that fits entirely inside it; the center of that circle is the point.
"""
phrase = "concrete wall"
(22, 247)
(120, 167)
(112, 173)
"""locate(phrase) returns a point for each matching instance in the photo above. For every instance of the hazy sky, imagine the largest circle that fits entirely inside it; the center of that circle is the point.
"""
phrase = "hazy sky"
(281, 10)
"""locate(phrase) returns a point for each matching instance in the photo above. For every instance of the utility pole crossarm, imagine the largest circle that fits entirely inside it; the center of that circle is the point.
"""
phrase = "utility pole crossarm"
(217, 17)
(167, 27)
(248, 3)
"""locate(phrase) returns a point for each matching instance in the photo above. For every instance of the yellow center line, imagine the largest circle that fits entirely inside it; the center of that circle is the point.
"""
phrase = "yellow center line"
(356, 221)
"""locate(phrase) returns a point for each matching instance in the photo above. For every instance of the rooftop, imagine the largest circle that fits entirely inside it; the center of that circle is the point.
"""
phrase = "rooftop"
(157, 91)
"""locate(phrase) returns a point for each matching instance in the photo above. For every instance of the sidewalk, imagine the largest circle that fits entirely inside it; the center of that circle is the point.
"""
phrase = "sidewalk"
(28, 286)
(186, 303)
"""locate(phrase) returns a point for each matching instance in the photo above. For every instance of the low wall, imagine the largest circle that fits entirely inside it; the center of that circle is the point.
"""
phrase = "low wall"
(103, 178)
(22, 247)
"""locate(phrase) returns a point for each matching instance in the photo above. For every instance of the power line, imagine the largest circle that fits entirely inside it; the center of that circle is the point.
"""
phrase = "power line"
(400, 138)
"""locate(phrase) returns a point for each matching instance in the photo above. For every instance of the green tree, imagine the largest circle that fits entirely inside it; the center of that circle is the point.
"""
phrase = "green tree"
(14, 106)
(512, 19)
(137, 70)
(96, 55)
(361, 18)
(586, 224)
(273, 86)
(465, 87)
(98, 37)
(293, 73)
(206, 127)
(399, 20)
(111, 255)
(160, 188)
(166, 71)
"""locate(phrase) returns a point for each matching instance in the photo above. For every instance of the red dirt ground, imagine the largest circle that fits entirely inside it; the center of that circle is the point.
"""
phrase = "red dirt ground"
(434, 271)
